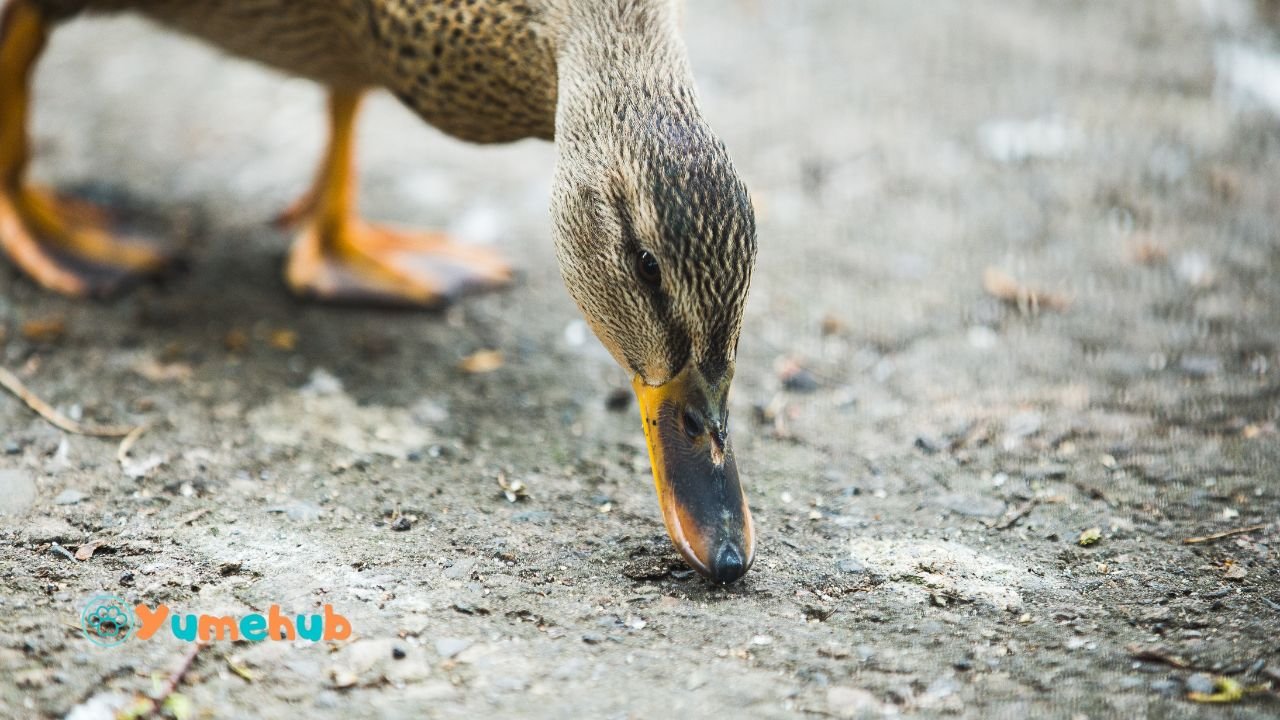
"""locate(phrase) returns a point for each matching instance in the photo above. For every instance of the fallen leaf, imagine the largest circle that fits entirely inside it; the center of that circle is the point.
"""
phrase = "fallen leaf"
(482, 361)
(513, 490)
(1090, 536)
(85, 551)
(284, 340)
(235, 341)
(45, 330)
(157, 372)
(238, 669)
(1002, 286)
(1144, 250)
(179, 706)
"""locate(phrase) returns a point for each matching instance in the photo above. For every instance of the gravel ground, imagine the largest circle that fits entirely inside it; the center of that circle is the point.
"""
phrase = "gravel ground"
(1018, 281)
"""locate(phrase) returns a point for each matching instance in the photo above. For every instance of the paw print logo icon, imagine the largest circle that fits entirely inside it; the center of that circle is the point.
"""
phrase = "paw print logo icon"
(108, 620)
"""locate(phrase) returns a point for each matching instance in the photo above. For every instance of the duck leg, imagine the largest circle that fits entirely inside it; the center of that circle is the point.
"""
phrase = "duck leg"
(61, 243)
(338, 257)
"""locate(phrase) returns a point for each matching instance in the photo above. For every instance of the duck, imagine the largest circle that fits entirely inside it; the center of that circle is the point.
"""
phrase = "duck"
(653, 227)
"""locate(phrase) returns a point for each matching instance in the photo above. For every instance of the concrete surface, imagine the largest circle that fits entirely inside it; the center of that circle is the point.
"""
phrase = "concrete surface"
(919, 487)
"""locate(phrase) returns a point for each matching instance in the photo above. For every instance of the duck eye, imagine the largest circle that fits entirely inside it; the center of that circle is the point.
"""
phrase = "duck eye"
(693, 425)
(647, 267)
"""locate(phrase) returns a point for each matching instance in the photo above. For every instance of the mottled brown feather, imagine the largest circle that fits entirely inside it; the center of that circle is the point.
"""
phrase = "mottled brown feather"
(638, 168)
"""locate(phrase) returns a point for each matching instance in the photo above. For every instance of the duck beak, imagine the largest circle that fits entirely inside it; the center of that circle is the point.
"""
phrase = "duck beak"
(703, 506)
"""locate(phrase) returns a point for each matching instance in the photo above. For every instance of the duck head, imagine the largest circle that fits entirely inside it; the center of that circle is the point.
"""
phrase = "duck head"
(655, 236)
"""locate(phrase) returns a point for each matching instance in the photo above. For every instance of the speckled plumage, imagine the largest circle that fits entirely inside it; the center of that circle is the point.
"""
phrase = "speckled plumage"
(638, 168)
(482, 71)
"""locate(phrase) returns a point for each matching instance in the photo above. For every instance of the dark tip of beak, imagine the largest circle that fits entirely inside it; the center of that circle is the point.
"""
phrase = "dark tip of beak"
(728, 564)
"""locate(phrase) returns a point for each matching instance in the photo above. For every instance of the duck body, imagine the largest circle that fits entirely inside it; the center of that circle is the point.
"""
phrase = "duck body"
(483, 71)
(653, 228)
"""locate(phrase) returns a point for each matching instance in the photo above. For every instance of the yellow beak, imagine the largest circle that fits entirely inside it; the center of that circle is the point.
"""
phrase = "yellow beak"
(703, 505)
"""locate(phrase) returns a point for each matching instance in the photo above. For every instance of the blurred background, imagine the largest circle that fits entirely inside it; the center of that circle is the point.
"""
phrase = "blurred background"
(1017, 282)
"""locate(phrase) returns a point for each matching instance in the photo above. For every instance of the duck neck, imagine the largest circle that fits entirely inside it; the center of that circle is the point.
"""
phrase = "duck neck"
(623, 76)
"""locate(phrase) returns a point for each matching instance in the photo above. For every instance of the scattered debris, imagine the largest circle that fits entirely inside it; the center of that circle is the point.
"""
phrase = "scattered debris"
(483, 361)
(402, 524)
(1004, 287)
(1223, 534)
(1090, 536)
(513, 490)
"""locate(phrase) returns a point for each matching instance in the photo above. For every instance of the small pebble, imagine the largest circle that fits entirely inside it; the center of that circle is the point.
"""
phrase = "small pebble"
(401, 524)
(449, 648)
(927, 444)
(851, 565)
(1167, 687)
(618, 400)
(800, 380)
(398, 653)
(1200, 683)
(69, 497)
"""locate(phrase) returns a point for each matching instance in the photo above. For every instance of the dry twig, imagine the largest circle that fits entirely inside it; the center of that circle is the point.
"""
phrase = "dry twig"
(11, 383)
(122, 452)
(1012, 517)
(1002, 286)
(152, 705)
(1223, 534)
